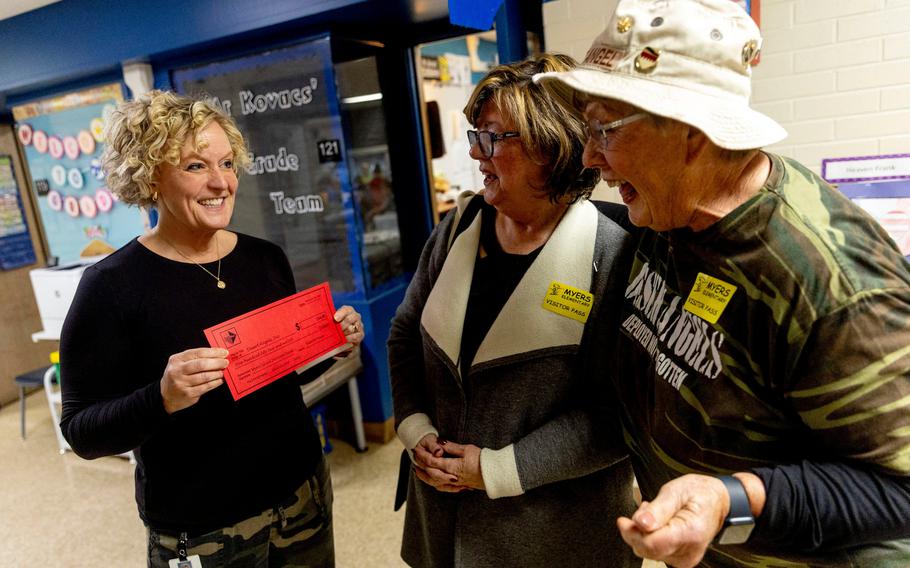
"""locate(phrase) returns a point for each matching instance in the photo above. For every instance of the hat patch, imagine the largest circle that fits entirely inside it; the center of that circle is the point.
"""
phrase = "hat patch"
(606, 57)
(750, 52)
(647, 60)
(624, 24)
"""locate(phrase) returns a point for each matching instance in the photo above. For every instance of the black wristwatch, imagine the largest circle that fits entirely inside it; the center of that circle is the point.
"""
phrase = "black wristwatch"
(739, 522)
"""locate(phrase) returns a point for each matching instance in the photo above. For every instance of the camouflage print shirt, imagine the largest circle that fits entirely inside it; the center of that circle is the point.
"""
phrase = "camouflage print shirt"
(779, 334)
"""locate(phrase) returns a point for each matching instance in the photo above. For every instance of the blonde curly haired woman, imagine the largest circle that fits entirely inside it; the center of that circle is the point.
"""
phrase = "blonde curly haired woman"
(235, 483)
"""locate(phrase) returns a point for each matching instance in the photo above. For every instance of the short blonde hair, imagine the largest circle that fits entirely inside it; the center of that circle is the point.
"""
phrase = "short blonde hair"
(144, 133)
(550, 134)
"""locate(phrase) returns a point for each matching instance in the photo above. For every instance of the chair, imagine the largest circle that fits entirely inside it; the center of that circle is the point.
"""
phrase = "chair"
(24, 381)
(54, 398)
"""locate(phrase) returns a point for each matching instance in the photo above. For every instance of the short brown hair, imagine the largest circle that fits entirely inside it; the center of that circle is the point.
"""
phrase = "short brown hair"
(550, 134)
(142, 134)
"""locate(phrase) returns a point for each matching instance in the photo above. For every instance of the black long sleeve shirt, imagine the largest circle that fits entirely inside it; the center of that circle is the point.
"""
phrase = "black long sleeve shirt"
(218, 461)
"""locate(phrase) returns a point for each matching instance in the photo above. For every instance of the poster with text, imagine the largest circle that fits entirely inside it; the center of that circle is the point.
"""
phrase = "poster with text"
(893, 214)
(15, 241)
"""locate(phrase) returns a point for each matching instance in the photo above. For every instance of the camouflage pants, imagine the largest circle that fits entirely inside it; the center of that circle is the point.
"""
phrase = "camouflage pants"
(296, 533)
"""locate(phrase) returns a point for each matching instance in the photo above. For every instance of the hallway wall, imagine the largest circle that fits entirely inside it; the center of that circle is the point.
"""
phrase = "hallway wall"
(18, 311)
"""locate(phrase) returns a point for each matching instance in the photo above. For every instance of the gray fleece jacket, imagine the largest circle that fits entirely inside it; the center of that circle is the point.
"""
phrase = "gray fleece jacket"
(553, 463)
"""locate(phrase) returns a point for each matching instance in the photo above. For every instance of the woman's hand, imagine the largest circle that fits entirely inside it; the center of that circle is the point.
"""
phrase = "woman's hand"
(460, 465)
(352, 325)
(464, 463)
(431, 444)
(426, 449)
(190, 374)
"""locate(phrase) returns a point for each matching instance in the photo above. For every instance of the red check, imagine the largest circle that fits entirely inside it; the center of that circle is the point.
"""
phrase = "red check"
(267, 343)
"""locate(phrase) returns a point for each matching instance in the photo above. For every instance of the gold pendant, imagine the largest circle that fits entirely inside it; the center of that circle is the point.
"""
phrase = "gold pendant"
(221, 284)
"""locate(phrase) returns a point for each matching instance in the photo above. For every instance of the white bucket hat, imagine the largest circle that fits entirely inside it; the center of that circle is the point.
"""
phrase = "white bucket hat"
(690, 60)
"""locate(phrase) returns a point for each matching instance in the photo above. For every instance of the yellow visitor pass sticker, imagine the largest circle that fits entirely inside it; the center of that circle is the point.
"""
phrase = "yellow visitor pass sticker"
(567, 301)
(709, 297)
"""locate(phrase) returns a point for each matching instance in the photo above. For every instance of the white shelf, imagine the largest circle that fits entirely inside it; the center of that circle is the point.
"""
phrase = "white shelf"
(44, 335)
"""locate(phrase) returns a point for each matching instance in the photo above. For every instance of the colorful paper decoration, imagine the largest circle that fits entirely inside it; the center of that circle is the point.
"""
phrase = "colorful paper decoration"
(39, 141)
(25, 134)
(87, 206)
(55, 147)
(97, 127)
(74, 176)
(86, 142)
(104, 200)
(58, 175)
(71, 206)
(54, 200)
(71, 147)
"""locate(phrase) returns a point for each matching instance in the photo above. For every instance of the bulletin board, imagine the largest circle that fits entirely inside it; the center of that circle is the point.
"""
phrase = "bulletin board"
(63, 139)
(15, 241)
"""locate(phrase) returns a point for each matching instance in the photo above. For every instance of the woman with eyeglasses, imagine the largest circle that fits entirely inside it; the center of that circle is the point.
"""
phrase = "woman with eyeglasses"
(515, 459)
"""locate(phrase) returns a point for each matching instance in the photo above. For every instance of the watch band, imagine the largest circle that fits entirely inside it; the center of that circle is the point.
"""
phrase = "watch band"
(739, 522)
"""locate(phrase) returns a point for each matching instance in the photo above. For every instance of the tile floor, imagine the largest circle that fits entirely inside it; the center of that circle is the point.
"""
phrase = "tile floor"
(59, 511)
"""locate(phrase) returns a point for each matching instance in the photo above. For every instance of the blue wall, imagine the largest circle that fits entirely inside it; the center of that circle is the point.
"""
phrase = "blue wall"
(75, 39)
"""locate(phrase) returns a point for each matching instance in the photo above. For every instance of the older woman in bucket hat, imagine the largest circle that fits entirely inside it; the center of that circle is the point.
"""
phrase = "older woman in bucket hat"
(763, 360)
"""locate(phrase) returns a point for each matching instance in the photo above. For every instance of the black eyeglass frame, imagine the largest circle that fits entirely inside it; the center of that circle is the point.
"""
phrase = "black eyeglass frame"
(475, 137)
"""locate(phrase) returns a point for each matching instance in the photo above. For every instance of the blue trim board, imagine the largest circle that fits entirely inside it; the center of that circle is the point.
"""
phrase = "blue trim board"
(77, 38)
(477, 14)
(511, 36)
(883, 189)
(376, 387)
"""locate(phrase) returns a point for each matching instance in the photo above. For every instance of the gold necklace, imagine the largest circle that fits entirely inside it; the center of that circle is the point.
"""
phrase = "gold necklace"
(220, 283)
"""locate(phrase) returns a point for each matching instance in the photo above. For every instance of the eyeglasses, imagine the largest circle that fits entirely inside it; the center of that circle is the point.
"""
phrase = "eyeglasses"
(485, 140)
(598, 130)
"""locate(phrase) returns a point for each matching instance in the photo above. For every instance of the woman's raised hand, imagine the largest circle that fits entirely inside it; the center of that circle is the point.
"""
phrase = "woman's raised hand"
(352, 325)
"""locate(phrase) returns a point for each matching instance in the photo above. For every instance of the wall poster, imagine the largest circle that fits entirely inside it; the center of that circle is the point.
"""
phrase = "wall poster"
(15, 241)
(63, 141)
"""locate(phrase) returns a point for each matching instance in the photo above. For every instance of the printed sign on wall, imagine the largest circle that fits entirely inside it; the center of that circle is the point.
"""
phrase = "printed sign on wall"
(63, 141)
(15, 242)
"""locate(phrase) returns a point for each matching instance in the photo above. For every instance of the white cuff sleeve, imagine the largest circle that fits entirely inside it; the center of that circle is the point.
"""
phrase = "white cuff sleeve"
(500, 472)
(413, 428)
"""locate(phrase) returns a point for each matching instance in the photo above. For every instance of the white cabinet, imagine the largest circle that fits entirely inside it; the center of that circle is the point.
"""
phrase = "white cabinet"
(54, 290)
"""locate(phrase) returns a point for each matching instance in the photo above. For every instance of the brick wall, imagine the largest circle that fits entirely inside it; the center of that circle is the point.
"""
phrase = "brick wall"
(834, 73)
